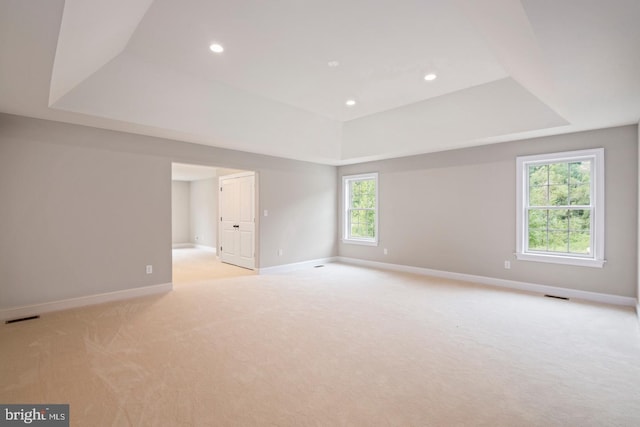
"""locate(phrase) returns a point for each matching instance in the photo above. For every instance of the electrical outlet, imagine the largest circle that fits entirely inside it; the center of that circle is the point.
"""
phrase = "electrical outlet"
(279, 252)
(196, 237)
(149, 269)
(386, 252)
(266, 212)
(507, 265)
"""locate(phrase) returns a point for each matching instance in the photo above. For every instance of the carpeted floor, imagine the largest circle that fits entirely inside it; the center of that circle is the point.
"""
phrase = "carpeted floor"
(333, 346)
(194, 265)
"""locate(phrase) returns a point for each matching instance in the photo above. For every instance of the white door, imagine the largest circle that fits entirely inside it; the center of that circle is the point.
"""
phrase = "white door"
(237, 220)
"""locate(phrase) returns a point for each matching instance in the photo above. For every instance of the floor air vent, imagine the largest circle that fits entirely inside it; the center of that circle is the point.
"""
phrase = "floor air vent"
(22, 319)
(557, 297)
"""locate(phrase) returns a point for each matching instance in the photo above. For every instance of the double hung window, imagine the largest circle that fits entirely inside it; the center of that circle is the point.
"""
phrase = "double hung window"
(561, 208)
(360, 216)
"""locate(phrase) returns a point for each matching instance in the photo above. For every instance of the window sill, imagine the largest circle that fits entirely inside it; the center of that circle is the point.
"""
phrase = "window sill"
(558, 259)
(360, 242)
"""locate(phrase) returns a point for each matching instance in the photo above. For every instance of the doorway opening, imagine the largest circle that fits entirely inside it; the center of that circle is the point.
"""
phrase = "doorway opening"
(196, 227)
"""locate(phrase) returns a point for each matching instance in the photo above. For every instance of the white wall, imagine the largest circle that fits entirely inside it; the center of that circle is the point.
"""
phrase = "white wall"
(204, 212)
(194, 208)
(455, 211)
(180, 211)
(84, 209)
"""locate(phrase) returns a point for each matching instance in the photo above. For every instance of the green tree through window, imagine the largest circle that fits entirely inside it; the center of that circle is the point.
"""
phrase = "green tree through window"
(559, 207)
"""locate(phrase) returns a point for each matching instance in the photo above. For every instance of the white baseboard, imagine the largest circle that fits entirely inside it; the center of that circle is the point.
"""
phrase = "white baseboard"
(193, 246)
(503, 283)
(285, 268)
(48, 307)
(182, 245)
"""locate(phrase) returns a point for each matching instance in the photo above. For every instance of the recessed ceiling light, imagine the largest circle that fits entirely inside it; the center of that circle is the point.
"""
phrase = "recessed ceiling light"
(430, 77)
(215, 47)
(333, 63)
(350, 102)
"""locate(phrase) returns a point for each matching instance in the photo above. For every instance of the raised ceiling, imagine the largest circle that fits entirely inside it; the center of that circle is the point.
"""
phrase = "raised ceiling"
(507, 69)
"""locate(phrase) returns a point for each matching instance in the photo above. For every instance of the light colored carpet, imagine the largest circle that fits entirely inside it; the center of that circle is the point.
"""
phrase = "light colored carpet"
(194, 265)
(332, 346)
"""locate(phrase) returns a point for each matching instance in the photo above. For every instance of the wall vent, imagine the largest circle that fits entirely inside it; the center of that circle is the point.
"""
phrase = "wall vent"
(557, 297)
(21, 319)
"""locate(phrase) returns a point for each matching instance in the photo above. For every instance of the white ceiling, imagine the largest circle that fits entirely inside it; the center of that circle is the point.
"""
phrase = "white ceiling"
(507, 69)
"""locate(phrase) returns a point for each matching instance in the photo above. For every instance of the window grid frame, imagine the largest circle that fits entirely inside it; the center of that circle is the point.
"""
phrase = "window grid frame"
(596, 208)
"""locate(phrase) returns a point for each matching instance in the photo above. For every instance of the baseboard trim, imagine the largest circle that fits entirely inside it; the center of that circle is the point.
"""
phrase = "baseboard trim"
(502, 283)
(48, 307)
(193, 246)
(285, 268)
(182, 246)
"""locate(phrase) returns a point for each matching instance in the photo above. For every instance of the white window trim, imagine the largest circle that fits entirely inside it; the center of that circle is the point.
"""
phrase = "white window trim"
(345, 209)
(597, 219)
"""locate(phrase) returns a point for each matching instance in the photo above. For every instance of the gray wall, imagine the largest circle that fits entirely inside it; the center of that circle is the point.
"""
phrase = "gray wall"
(180, 211)
(204, 212)
(84, 209)
(78, 220)
(455, 211)
(302, 217)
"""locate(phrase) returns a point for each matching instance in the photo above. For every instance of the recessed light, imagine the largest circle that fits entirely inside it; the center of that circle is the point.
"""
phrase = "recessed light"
(215, 47)
(350, 102)
(430, 77)
(333, 64)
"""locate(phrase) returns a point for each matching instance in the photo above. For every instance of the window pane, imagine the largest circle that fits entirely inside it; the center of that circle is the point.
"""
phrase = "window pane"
(538, 196)
(558, 241)
(355, 194)
(355, 217)
(579, 194)
(362, 223)
(558, 220)
(538, 175)
(362, 217)
(579, 243)
(580, 172)
(538, 219)
(558, 173)
(369, 216)
(580, 220)
(363, 194)
(537, 240)
(558, 195)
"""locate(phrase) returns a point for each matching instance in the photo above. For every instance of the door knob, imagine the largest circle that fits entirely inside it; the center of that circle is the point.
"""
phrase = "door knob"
(236, 226)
